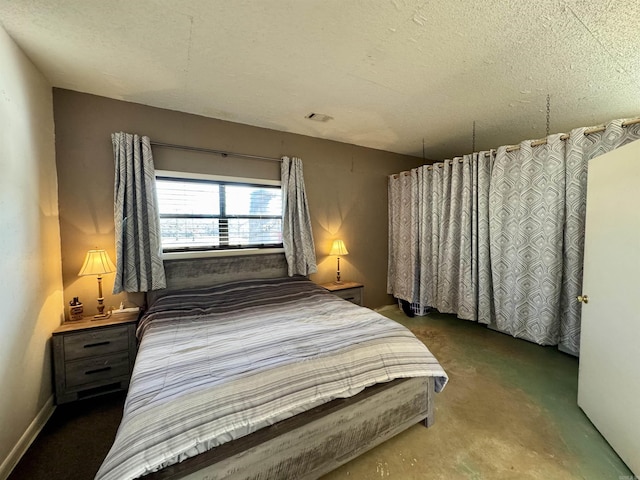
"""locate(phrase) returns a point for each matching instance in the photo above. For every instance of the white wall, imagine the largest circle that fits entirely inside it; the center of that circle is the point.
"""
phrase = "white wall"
(30, 265)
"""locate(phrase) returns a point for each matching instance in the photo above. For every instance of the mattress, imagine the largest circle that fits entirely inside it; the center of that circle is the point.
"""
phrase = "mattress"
(219, 363)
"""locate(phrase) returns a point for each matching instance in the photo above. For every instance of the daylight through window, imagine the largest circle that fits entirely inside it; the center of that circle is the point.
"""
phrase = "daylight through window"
(203, 214)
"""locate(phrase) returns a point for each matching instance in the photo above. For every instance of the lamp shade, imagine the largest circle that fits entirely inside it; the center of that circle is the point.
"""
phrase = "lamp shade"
(338, 248)
(97, 262)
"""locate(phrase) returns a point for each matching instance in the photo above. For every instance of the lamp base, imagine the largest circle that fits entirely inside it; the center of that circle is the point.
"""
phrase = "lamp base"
(101, 313)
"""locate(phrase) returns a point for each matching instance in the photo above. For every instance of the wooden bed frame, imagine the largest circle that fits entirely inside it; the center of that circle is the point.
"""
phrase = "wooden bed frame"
(312, 443)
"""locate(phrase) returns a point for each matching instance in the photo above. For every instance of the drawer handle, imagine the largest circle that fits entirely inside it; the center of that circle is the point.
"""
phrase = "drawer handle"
(97, 344)
(97, 370)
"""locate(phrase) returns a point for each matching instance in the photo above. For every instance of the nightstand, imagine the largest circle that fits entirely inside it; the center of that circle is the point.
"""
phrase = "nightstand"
(351, 291)
(93, 357)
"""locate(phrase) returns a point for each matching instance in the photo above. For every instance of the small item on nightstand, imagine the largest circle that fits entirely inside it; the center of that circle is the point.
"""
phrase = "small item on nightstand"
(121, 309)
(75, 310)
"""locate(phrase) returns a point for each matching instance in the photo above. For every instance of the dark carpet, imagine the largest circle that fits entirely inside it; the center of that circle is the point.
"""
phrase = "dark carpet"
(74, 442)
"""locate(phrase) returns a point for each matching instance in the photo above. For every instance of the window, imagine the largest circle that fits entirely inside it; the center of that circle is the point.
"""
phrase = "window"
(203, 212)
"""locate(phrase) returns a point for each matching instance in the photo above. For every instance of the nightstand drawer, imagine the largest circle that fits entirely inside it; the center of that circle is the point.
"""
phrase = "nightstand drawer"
(96, 342)
(354, 295)
(95, 369)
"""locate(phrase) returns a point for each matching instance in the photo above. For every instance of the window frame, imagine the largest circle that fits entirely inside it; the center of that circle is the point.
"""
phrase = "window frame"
(222, 250)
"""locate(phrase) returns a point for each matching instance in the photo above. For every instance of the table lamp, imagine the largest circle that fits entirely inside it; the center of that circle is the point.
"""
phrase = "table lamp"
(339, 249)
(97, 262)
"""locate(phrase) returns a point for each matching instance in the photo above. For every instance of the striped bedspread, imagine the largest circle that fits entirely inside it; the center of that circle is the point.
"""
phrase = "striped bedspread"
(219, 363)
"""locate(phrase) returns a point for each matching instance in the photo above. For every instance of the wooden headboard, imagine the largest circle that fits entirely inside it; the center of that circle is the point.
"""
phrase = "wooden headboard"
(202, 272)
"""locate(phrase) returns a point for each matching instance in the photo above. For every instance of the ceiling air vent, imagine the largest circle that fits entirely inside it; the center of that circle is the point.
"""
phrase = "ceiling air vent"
(319, 117)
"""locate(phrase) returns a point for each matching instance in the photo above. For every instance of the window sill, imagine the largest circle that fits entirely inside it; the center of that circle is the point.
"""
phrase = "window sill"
(220, 253)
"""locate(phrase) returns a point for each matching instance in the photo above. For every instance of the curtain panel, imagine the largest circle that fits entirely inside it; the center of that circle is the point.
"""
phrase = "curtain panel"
(500, 234)
(139, 266)
(455, 287)
(526, 212)
(297, 236)
(403, 235)
(437, 240)
(581, 148)
(482, 169)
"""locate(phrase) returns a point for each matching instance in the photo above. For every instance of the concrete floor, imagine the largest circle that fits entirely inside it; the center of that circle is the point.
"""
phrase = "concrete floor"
(508, 412)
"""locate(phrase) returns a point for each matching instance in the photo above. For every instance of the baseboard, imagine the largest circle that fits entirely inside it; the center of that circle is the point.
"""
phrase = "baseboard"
(27, 439)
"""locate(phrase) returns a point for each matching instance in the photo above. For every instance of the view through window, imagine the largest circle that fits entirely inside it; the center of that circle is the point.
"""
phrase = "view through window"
(206, 214)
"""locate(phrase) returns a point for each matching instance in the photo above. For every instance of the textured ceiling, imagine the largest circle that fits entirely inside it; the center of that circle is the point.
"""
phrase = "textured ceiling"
(391, 73)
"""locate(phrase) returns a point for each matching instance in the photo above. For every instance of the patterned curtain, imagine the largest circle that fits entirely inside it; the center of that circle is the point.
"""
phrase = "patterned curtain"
(455, 288)
(482, 163)
(139, 266)
(403, 243)
(438, 243)
(538, 205)
(500, 236)
(297, 237)
(429, 212)
(458, 234)
(526, 212)
(581, 148)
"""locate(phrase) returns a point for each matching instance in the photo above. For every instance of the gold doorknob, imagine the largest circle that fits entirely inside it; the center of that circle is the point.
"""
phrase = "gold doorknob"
(583, 298)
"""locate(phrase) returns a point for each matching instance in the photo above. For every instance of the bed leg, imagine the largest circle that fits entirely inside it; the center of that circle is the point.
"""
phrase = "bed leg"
(428, 421)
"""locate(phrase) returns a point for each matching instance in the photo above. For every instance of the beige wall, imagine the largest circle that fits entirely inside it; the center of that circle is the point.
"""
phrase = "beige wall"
(31, 293)
(346, 184)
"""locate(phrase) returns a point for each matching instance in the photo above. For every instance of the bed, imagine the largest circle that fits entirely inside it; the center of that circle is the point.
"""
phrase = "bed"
(245, 373)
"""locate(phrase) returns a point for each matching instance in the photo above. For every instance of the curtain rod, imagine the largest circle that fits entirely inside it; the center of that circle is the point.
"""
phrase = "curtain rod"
(216, 152)
(566, 136)
(542, 141)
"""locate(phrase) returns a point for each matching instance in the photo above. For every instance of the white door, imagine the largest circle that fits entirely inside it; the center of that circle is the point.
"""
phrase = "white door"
(609, 378)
